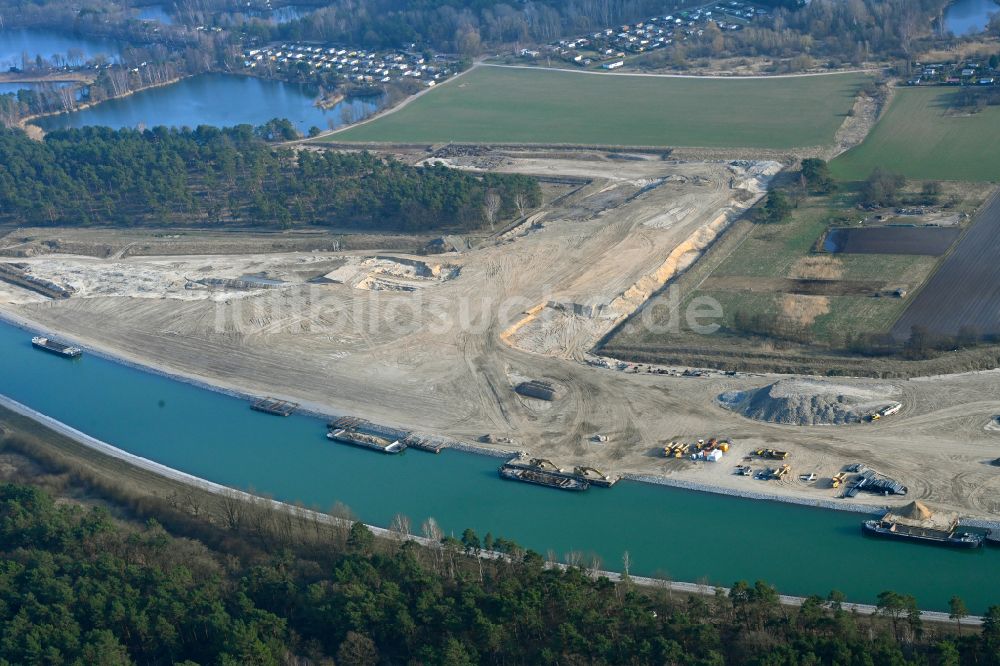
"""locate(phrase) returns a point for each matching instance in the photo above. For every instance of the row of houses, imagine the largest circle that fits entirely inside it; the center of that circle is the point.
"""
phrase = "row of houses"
(357, 66)
(657, 32)
(957, 74)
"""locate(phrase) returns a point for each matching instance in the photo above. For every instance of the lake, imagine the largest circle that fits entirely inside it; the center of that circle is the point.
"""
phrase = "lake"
(216, 99)
(155, 13)
(685, 535)
(12, 88)
(967, 17)
(14, 42)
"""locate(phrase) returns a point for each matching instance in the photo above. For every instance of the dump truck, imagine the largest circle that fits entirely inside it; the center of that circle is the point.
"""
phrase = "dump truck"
(771, 454)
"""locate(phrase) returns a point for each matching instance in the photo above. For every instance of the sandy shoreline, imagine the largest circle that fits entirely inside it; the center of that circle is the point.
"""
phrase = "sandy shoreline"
(324, 412)
(318, 411)
(225, 491)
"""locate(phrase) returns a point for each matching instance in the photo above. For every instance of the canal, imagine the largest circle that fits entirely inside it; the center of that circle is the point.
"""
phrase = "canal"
(216, 99)
(684, 535)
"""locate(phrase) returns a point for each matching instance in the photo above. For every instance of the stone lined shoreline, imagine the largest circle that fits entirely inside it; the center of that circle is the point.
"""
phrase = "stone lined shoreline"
(225, 491)
(320, 412)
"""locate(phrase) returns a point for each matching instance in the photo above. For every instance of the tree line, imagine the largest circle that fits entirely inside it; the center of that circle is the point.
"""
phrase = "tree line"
(78, 586)
(234, 176)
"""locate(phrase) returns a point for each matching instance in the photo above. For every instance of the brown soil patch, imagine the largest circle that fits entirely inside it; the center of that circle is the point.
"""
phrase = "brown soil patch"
(801, 287)
(803, 310)
(818, 268)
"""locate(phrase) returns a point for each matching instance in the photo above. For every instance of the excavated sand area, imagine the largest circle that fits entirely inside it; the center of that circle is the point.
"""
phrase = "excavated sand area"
(676, 218)
(433, 360)
(810, 402)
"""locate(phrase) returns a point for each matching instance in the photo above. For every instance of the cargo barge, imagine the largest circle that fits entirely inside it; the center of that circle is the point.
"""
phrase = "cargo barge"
(542, 478)
(51, 346)
(409, 440)
(274, 406)
(365, 441)
(916, 523)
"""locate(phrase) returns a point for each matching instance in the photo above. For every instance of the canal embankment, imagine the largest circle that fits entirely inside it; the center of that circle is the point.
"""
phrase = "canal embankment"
(691, 536)
(324, 412)
(52, 427)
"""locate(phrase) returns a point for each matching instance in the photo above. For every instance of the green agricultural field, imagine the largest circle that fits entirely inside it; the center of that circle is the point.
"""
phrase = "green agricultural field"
(748, 277)
(493, 104)
(921, 137)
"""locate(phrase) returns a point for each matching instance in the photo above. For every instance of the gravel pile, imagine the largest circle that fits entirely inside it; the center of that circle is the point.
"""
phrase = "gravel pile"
(809, 402)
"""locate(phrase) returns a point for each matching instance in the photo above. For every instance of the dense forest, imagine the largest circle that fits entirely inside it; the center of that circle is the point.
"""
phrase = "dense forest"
(466, 26)
(233, 176)
(80, 587)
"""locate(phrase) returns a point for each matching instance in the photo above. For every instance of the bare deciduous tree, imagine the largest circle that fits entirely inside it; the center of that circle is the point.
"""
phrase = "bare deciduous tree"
(400, 526)
(521, 202)
(491, 206)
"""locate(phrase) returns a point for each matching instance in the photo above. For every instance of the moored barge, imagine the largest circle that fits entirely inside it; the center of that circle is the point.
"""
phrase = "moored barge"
(542, 478)
(916, 523)
(53, 347)
(366, 441)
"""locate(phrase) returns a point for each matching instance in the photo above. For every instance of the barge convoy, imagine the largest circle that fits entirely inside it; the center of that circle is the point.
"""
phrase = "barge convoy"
(53, 347)
(916, 523)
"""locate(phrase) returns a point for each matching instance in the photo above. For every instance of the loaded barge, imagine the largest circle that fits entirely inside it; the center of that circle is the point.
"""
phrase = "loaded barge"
(408, 440)
(51, 346)
(542, 478)
(366, 441)
(544, 472)
(915, 522)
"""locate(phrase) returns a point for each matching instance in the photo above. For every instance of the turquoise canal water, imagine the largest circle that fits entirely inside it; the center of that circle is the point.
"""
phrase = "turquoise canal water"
(968, 17)
(216, 99)
(686, 535)
(16, 42)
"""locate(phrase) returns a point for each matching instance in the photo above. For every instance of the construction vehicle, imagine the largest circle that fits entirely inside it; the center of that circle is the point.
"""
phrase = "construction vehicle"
(743, 470)
(771, 454)
(675, 450)
(782, 472)
(595, 476)
(543, 464)
(838, 479)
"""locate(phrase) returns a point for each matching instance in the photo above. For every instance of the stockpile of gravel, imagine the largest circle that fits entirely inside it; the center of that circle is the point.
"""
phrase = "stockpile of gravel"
(809, 402)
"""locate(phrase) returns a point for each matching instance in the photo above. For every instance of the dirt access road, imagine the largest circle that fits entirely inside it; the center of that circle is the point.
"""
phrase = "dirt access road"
(436, 344)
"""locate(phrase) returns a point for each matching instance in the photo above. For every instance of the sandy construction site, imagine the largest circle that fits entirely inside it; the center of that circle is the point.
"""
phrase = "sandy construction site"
(436, 343)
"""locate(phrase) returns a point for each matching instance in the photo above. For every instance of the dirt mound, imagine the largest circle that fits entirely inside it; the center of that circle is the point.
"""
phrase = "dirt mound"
(809, 402)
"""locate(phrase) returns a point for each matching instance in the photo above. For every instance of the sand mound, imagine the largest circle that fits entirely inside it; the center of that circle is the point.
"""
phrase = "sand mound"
(914, 511)
(809, 402)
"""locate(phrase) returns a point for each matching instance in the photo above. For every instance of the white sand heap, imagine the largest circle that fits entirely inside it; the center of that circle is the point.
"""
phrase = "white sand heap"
(809, 402)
